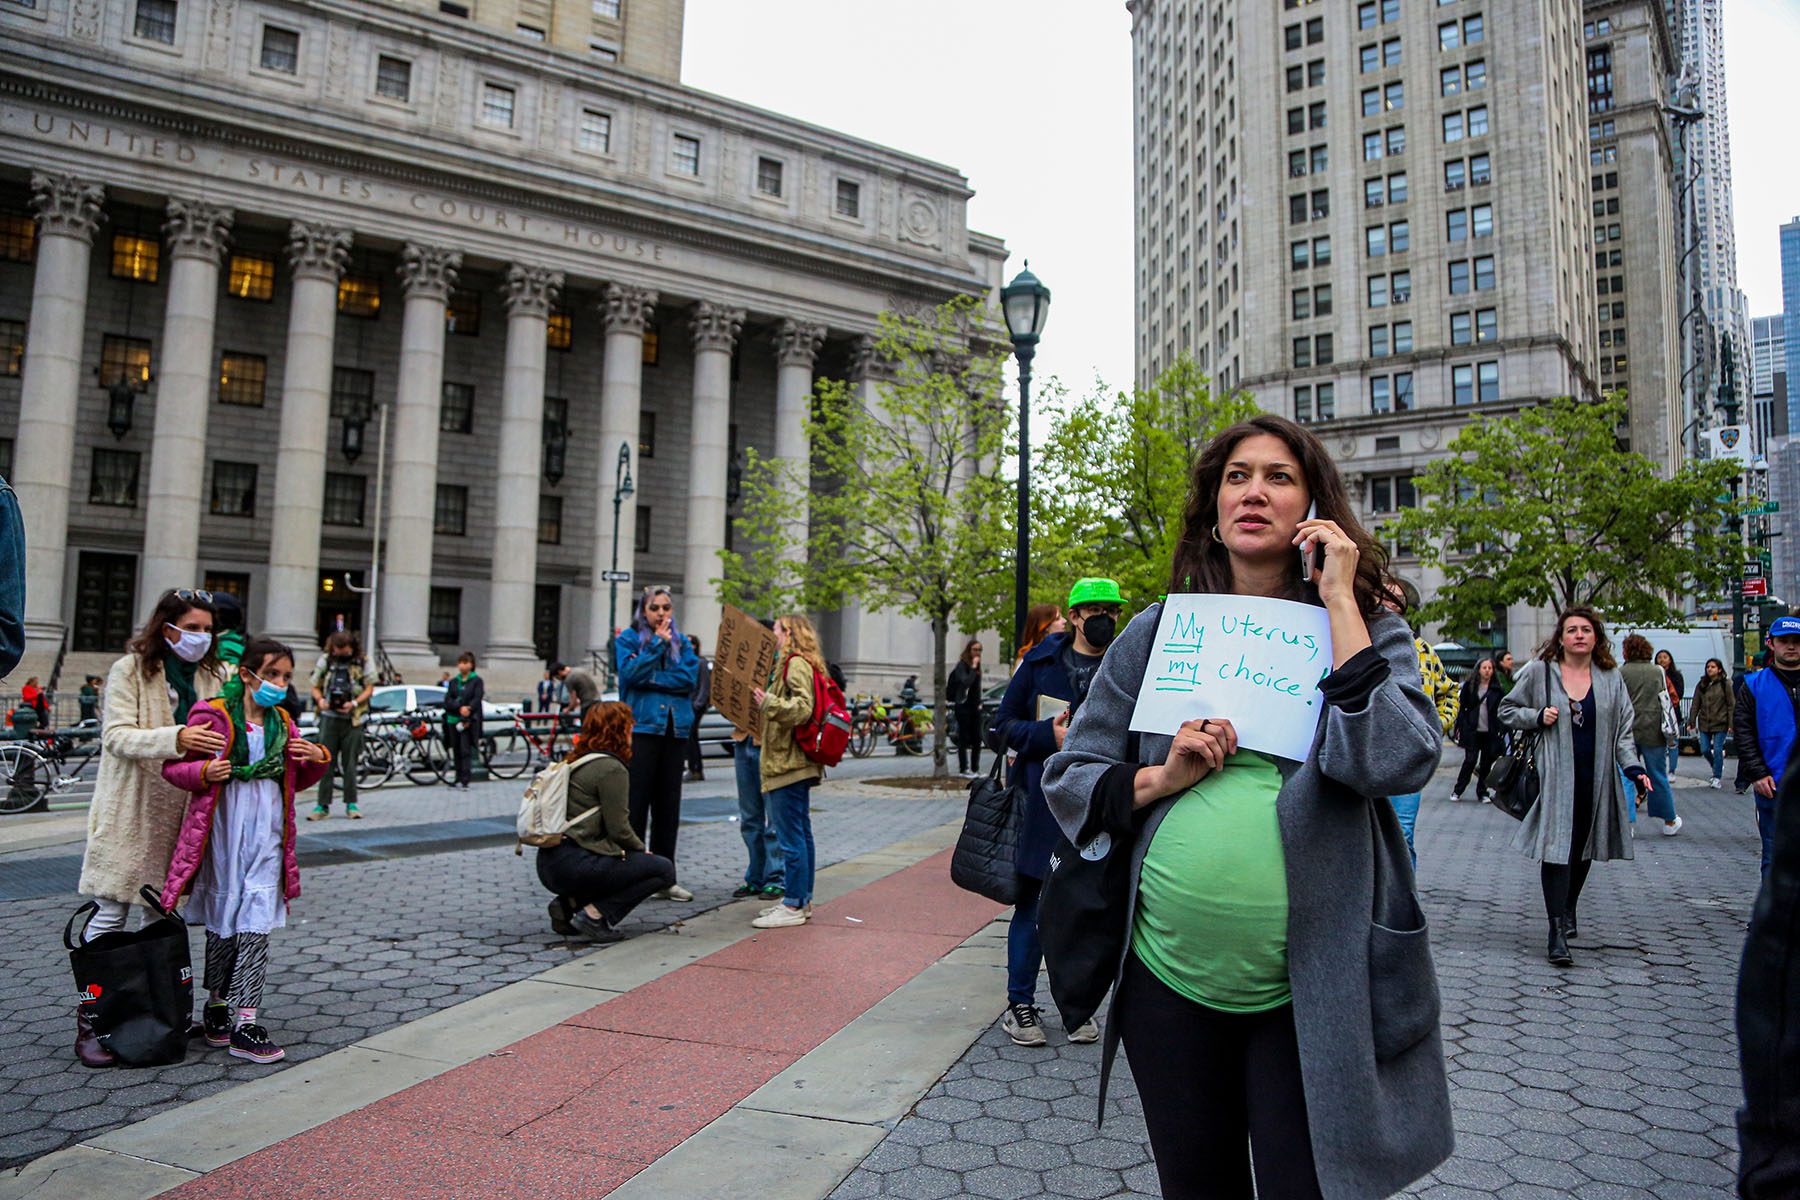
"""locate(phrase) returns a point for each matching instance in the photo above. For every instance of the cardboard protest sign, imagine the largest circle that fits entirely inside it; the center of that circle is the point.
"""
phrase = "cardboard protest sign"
(1253, 661)
(743, 657)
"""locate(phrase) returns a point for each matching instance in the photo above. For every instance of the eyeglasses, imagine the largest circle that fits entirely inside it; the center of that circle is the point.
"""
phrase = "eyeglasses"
(191, 594)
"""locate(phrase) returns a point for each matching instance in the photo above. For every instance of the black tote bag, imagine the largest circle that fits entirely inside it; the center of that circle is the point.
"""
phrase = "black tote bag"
(1514, 779)
(136, 988)
(987, 850)
(1082, 922)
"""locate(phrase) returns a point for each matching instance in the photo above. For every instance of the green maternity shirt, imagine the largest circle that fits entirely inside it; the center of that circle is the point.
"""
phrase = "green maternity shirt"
(1212, 897)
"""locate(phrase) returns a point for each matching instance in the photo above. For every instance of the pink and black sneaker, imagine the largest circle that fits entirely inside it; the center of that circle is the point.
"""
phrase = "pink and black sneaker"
(252, 1042)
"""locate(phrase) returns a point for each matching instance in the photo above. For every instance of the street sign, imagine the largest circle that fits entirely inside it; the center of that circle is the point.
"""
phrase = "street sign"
(1766, 509)
(1756, 587)
(1753, 570)
(615, 577)
(1729, 441)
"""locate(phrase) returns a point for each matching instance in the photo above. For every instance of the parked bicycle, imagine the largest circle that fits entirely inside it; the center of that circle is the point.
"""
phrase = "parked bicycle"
(533, 741)
(33, 771)
(906, 729)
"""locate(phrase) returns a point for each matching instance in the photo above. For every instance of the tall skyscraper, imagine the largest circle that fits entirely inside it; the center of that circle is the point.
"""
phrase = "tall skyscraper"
(1714, 261)
(1375, 217)
(1790, 308)
(1768, 378)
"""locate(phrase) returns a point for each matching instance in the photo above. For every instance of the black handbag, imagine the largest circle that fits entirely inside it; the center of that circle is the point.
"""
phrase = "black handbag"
(136, 988)
(1082, 922)
(1514, 779)
(987, 850)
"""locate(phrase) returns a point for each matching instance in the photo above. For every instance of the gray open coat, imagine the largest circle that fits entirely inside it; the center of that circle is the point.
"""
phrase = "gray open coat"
(1365, 991)
(1547, 829)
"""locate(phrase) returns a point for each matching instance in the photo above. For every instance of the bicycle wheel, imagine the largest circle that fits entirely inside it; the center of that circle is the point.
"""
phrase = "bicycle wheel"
(862, 741)
(506, 754)
(427, 760)
(375, 763)
(24, 780)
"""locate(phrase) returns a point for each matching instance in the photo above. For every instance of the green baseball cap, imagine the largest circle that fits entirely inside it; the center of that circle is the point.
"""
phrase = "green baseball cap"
(1094, 591)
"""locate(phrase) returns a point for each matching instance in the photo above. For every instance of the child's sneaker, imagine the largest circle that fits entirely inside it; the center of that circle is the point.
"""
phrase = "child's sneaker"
(351, 812)
(252, 1042)
(215, 1020)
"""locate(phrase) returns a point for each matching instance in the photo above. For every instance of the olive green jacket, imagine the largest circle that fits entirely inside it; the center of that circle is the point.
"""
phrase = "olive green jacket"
(605, 784)
(787, 705)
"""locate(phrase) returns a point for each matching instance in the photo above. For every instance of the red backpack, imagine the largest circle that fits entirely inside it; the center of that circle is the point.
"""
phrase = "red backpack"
(826, 734)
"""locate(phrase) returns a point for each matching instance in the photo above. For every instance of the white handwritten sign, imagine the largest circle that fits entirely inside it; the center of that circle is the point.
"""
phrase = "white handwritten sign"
(1253, 661)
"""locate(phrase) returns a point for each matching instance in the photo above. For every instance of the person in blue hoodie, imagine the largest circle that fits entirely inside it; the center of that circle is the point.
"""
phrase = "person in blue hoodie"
(12, 581)
(1763, 724)
(1033, 718)
(656, 668)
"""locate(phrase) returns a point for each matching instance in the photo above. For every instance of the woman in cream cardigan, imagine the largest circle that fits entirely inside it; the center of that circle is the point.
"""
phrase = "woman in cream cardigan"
(135, 816)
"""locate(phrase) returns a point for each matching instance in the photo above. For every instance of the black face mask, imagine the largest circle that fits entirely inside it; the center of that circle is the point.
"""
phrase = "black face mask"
(1099, 629)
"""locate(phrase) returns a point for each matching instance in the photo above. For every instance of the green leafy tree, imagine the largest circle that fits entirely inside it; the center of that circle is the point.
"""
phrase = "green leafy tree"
(1543, 507)
(909, 509)
(1112, 479)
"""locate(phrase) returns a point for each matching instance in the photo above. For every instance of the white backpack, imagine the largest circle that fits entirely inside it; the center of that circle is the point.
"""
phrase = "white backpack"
(544, 812)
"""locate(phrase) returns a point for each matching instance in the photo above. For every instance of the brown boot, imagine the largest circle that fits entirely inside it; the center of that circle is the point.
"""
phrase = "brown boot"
(87, 1044)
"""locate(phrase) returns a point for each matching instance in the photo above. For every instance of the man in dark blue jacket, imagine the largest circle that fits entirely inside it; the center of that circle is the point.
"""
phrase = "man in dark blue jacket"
(12, 581)
(1764, 723)
(1033, 718)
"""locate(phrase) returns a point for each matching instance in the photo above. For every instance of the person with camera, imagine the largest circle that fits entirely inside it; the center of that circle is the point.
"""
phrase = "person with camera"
(341, 687)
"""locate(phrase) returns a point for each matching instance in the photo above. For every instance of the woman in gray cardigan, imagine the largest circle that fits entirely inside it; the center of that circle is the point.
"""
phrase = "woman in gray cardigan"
(1276, 988)
(1574, 692)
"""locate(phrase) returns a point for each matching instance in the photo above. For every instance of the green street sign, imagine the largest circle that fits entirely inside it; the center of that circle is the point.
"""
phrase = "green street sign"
(1766, 509)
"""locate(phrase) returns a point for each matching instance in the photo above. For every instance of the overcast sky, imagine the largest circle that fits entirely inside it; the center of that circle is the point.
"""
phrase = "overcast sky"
(1031, 100)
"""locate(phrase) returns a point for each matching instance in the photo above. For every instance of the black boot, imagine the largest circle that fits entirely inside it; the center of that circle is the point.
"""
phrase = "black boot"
(1558, 951)
(1569, 924)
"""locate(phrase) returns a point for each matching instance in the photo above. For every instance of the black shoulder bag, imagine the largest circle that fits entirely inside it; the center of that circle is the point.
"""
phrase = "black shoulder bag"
(985, 860)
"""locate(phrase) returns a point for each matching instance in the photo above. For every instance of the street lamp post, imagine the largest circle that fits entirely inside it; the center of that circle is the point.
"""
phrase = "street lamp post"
(621, 489)
(1026, 303)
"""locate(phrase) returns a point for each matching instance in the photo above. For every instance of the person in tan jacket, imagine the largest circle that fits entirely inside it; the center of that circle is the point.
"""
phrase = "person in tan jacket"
(135, 816)
(788, 775)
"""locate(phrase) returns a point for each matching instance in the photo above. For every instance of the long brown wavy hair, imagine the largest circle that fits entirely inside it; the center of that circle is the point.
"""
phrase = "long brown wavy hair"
(1201, 562)
(605, 730)
(152, 647)
(1552, 651)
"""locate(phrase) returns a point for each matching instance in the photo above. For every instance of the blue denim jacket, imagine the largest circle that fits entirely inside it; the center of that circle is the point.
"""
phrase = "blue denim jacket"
(656, 679)
(12, 581)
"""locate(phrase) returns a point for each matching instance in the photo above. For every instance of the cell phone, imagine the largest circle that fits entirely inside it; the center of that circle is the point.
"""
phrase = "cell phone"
(1310, 564)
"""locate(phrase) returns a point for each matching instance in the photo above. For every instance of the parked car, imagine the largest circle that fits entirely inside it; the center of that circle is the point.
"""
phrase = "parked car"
(396, 698)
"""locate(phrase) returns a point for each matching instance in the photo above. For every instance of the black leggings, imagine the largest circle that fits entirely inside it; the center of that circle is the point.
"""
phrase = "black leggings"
(1210, 1081)
(1479, 752)
(615, 886)
(1562, 881)
(656, 763)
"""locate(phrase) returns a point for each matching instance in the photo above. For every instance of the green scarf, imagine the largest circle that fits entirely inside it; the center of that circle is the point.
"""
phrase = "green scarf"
(230, 646)
(273, 763)
(181, 678)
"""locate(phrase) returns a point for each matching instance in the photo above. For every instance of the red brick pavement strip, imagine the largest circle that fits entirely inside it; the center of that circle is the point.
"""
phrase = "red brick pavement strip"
(579, 1108)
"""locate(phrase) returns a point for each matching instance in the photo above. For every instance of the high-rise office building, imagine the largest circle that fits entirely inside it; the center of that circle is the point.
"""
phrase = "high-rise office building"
(1768, 379)
(1374, 217)
(1714, 261)
(1636, 233)
(639, 36)
(1790, 308)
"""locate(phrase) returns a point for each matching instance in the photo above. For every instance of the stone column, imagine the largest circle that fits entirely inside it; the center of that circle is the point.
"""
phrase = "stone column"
(68, 210)
(512, 657)
(626, 311)
(428, 273)
(796, 347)
(715, 330)
(318, 254)
(195, 234)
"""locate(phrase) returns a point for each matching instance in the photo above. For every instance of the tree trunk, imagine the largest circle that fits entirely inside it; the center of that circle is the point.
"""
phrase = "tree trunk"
(940, 709)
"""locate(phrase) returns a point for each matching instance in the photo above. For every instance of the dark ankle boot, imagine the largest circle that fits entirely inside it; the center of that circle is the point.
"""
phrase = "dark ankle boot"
(1569, 930)
(87, 1044)
(1558, 951)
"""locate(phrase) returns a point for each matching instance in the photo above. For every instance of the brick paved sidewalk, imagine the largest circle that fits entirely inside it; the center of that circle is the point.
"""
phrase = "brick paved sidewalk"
(369, 946)
(1614, 1080)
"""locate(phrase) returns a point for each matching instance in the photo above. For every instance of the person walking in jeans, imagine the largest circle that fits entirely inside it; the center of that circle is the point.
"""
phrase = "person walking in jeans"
(341, 687)
(656, 667)
(1711, 714)
(1649, 689)
(787, 774)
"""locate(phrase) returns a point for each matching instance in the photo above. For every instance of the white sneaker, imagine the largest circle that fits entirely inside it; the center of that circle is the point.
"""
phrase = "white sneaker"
(1716, 784)
(675, 892)
(782, 918)
(1085, 1033)
(1456, 797)
(778, 906)
(1671, 828)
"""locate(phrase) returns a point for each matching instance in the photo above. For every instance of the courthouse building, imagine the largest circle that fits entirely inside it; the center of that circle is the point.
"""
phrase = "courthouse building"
(232, 233)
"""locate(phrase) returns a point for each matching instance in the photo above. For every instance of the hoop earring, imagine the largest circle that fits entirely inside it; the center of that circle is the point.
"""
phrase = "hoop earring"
(1215, 533)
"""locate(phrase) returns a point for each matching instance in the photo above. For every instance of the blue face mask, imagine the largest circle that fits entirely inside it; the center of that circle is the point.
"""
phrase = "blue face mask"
(267, 694)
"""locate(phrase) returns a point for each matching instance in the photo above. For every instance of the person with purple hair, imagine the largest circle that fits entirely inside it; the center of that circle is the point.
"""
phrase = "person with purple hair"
(656, 668)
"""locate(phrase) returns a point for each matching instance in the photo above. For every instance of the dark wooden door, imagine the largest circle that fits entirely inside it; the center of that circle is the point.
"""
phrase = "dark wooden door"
(546, 620)
(105, 589)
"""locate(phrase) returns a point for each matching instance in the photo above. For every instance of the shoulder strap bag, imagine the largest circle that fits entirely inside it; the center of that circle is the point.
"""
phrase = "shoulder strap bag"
(1514, 780)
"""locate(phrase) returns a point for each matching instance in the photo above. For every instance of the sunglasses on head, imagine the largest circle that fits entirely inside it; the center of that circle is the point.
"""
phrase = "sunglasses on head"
(191, 594)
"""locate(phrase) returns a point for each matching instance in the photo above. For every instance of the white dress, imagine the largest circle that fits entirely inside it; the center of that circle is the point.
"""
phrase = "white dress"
(239, 885)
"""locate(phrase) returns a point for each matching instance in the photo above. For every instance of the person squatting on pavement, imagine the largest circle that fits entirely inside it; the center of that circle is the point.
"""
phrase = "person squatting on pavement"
(788, 775)
(235, 857)
(1277, 1000)
(1059, 669)
(656, 669)
(600, 871)
(1648, 687)
(341, 687)
(1574, 692)
(135, 816)
(1763, 729)
(1478, 729)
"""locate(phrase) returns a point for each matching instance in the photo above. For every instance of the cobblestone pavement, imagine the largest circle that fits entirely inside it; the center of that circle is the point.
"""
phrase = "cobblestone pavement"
(1614, 1080)
(369, 946)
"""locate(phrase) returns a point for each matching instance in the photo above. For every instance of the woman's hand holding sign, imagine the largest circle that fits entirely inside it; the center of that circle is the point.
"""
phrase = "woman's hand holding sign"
(1200, 748)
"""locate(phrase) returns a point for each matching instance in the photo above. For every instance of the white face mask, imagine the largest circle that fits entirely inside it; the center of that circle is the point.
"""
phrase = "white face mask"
(189, 646)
